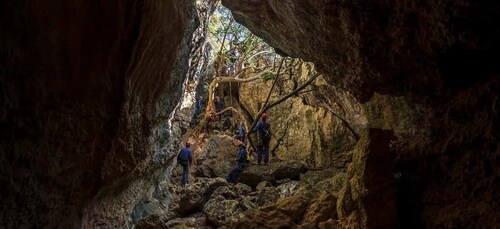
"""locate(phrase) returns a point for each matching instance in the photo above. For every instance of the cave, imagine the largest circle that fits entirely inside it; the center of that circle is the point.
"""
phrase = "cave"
(388, 119)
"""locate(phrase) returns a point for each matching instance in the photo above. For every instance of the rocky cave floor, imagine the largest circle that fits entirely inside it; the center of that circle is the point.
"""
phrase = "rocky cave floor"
(282, 194)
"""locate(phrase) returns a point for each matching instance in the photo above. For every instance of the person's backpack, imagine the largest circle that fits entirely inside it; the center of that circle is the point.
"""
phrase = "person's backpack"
(179, 161)
(266, 131)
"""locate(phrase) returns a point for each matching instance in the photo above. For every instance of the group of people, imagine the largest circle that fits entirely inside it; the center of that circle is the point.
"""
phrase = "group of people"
(263, 128)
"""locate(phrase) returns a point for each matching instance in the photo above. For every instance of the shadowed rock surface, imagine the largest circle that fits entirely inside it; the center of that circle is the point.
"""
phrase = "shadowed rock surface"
(426, 71)
(399, 131)
(84, 86)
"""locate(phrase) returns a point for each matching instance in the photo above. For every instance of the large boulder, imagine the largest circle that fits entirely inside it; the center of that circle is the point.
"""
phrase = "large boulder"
(293, 206)
(267, 195)
(221, 211)
(288, 188)
(323, 209)
(195, 221)
(271, 172)
(216, 156)
(197, 194)
(265, 220)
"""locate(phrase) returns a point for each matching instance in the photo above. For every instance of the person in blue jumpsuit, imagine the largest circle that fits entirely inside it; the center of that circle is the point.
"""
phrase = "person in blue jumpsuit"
(219, 106)
(264, 130)
(197, 109)
(185, 158)
(241, 159)
(241, 132)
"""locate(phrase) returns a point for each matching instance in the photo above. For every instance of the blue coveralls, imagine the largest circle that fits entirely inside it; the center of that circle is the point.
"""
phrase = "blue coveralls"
(185, 158)
(242, 164)
(241, 132)
(197, 109)
(263, 144)
(219, 105)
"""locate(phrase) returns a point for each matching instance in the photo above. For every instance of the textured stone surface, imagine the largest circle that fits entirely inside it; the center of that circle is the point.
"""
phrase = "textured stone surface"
(265, 219)
(322, 209)
(216, 157)
(370, 184)
(426, 71)
(221, 211)
(84, 86)
(255, 174)
(289, 188)
(197, 194)
(267, 195)
(305, 129)
(293, 206)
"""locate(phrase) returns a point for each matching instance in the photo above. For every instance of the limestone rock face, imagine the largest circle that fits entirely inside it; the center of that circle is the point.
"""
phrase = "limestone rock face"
(369, 184)
(427, 71)
(293, 206)
(216, 158)
(303, 127)
(255, 174)
(265, 219)
(221, 211)
(87, 89)
(267, 195)
(323, 209)
(197, 194)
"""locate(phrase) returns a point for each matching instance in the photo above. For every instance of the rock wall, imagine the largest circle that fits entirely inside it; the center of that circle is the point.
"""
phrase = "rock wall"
(304, 127)
(426, 71)
(87, 92)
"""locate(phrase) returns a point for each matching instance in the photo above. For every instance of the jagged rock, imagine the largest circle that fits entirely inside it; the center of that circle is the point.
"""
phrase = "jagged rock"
(370, 185)
(293, 206)
(220, 211)
(253, 175)
(216, 157)
(248, 203)
(322, 209)
(338, 181)
(262, 185)
(439, 87)
(312, 177)
(329, 224)
(226, 192)
(333, 184)
(198, 193)
(264, 219)
(195, 221)
(288, 189)
(243, 189)
(152, 222)
(304, 127)
(288, 169)
(268, 195)
(282, 181)
(83, 85)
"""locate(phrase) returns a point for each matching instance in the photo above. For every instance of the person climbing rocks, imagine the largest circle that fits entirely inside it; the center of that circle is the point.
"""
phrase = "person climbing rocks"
(233, 53)
(240, 132)
(219, 106)
(241, 165)
(185, 158)
(227, 123)
(197, 109)
(264, 130)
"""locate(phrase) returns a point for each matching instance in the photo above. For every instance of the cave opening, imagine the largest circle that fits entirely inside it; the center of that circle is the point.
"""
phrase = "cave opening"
(382, 114)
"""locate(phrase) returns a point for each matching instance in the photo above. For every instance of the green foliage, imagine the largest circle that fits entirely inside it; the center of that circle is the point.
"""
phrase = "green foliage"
(237, 37)
(268, 76)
